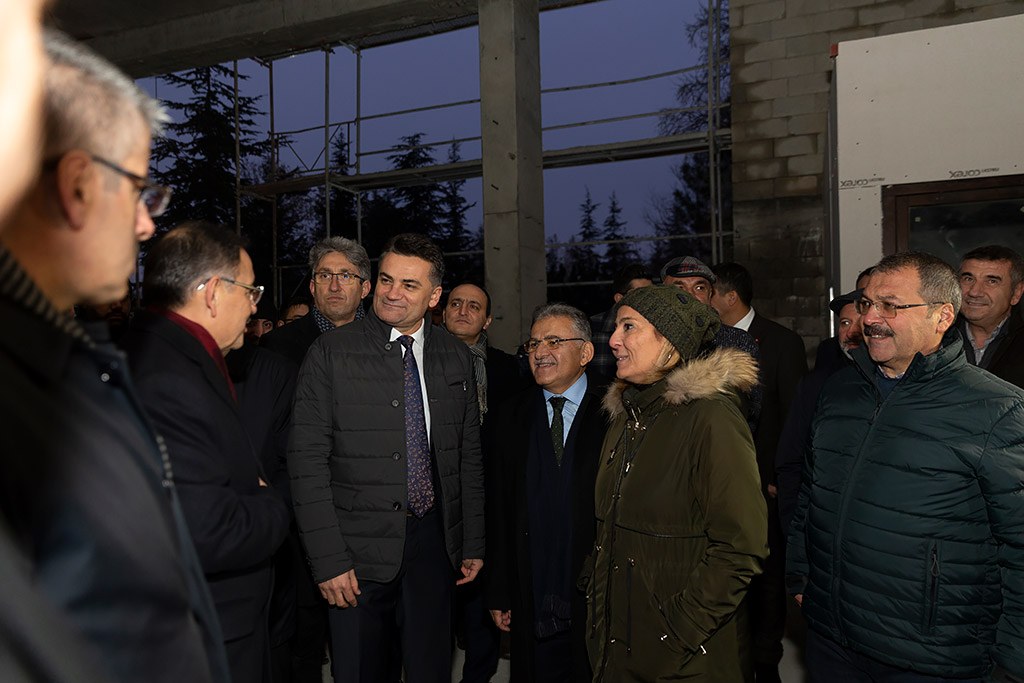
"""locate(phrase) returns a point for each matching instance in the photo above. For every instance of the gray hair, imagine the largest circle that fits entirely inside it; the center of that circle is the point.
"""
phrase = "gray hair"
(89, 103)
(997, 252)
(350, 249)
(939, 282)
(579, 320)
(184, 257)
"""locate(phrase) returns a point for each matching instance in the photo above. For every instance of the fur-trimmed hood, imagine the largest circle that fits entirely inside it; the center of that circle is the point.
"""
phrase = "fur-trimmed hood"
(720, 372)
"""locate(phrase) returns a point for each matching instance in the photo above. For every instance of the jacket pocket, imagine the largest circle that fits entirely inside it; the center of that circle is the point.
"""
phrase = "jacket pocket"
(933, 574)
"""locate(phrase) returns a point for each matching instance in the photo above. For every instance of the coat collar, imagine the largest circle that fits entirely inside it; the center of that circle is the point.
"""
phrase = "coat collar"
(922, 368)
(723, 371)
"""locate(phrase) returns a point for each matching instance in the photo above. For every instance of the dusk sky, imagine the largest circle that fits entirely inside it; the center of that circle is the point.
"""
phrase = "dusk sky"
(604, 41)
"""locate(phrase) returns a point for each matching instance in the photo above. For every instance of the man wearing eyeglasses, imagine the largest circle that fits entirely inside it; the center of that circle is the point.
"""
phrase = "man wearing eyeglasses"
(86, 487)
(907, 547)
(339, 281)
(544, 455)
(199, 291)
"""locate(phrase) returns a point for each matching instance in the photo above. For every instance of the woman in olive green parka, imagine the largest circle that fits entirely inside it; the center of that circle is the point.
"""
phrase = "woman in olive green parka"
(681, 523)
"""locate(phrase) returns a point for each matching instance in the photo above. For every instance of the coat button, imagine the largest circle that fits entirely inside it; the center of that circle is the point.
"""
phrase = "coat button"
(387, 347)
(396, 456)
(394, 404)
(396, 506)
(105, 377)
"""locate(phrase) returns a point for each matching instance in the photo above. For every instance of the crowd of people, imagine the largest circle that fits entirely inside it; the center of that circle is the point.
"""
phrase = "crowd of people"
(218, 492)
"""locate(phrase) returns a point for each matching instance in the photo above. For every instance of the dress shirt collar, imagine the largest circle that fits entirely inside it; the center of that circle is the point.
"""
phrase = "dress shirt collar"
(418, 336)
(573, 394)
(744, 322)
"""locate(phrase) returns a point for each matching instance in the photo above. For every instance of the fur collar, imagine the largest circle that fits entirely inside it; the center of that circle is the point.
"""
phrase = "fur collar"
(719, 372)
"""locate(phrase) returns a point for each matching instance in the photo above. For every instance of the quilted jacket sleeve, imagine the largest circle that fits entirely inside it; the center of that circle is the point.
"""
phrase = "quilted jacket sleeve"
(309, 454)
(1001, 476)
(472, 474)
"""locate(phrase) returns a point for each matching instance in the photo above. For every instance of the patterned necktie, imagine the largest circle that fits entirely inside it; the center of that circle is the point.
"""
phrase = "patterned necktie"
(417, 450)
(557, 426)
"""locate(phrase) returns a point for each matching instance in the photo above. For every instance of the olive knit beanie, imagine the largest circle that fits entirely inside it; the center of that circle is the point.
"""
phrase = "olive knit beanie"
(676, 314)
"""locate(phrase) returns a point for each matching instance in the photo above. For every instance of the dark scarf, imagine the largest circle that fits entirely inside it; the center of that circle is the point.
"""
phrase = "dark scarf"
(326, 325)
(479, 352)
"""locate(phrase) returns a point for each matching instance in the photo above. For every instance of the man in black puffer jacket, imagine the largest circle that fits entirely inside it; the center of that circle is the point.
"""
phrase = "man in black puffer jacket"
(907, 548)
(387, 478)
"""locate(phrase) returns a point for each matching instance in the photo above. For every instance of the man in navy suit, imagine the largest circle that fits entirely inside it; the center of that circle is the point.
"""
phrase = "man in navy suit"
(545, 445)
(783, 362)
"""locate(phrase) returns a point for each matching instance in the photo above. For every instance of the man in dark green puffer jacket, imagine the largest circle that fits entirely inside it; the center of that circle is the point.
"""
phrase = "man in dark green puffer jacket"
(907, 550)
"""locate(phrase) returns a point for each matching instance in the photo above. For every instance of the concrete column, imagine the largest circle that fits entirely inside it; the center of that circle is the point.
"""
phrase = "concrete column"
(513, 180)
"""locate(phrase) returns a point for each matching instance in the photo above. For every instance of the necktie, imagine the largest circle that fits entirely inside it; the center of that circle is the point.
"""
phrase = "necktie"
(417, 450)
(557, 426)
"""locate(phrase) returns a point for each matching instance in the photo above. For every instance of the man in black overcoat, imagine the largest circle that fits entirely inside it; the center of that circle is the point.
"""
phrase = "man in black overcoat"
(544, 447)
(199, 292)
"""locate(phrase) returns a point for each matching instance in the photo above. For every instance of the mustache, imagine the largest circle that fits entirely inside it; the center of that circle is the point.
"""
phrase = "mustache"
(877, 330)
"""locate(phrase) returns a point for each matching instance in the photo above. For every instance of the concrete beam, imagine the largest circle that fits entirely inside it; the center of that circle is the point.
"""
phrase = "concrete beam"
(513, 178)
(145, 39)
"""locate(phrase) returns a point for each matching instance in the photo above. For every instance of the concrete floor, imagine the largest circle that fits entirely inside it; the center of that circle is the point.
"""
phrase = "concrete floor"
(791, 669)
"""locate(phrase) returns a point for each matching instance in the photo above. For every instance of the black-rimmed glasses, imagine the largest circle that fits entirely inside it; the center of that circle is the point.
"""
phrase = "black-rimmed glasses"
(324, 277)
(885, 309)
(551, 343)
(155, 197)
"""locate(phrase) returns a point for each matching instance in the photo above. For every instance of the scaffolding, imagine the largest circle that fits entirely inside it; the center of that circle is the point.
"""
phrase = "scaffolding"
(714, 140)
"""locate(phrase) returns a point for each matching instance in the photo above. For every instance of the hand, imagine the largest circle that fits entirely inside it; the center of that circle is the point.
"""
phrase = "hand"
(341, 591)
(262, 483)
(773, 491)
(470, 568)
(503, 620)
(799, 597)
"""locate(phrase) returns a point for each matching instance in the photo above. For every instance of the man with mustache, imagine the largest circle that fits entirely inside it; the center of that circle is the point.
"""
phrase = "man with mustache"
(540, 497)
(907, 548)
(992, 281)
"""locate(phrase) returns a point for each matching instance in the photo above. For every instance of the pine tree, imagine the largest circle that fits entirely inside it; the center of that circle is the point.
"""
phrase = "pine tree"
(197, 157)
(295, 227)
(343, 203)
(419, 204)
(616, 255)
(451, 233)
(582, 262)
(687, 209)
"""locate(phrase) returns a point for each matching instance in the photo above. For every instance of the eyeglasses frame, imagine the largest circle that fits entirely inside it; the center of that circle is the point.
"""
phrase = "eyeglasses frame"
(317, 273)
(550, 342)
(868, 303)
(255, 291)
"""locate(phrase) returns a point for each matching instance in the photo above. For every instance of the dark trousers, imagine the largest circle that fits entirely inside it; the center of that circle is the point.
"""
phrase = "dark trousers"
(552, 658)
(249, 656)
(830, 662)
(415, 607)
(767, 596)
(481, 637)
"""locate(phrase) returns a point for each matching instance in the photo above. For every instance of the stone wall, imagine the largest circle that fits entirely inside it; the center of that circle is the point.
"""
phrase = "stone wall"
(781, 71)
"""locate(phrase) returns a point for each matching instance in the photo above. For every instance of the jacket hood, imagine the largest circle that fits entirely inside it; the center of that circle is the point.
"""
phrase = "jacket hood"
(722, 371)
